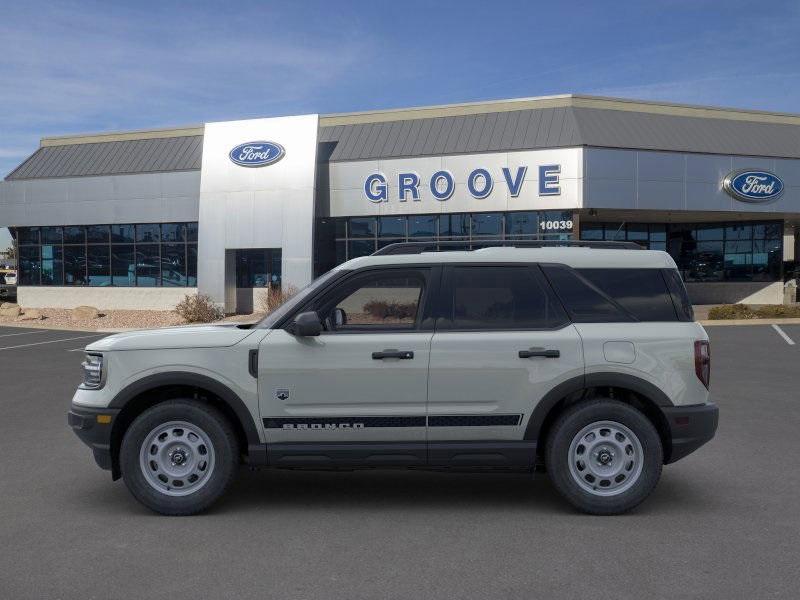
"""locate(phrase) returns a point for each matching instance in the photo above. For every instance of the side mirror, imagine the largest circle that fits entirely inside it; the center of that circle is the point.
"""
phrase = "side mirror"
(339, 318)
(307, 324)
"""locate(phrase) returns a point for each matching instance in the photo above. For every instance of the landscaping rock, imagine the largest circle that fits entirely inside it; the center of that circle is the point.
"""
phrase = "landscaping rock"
(85, 313)
(10, 311)
(31, 315)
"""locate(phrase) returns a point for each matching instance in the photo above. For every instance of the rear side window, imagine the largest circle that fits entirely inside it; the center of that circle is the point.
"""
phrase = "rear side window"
(500, 298)
(584, 301)
(642, 292)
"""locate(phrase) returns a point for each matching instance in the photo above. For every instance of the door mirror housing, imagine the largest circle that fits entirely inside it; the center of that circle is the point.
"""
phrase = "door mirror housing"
(307, 324)
(339, 318)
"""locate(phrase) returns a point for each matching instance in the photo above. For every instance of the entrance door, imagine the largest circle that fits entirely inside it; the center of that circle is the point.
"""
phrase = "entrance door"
(257, 269)
(357, 392)
(502, 342)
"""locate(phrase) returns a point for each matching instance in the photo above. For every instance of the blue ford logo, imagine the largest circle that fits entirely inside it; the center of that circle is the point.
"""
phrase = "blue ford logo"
(753, 186)
(257, 154)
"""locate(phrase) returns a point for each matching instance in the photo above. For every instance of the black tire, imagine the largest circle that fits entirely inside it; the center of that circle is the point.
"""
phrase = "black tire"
(225, 452)
(570, 424)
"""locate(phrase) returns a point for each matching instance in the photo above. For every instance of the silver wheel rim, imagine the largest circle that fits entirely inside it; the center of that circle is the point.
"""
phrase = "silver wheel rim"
(605, 458)
(177, 458)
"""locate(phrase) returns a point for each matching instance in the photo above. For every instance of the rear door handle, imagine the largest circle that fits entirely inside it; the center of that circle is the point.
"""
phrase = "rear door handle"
(401, 354)
(532, 352)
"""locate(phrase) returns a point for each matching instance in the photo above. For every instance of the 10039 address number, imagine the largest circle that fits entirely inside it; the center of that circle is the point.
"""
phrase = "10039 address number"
(556, 225)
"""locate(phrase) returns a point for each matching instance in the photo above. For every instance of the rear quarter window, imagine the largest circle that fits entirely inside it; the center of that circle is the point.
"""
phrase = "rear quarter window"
(641, 292)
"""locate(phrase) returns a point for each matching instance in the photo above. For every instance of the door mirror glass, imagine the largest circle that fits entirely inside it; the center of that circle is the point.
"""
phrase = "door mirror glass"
(307, 324)
(339, 318)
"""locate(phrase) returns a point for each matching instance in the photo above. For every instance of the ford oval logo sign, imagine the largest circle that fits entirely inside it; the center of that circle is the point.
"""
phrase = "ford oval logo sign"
(753, 186)
(257, 154)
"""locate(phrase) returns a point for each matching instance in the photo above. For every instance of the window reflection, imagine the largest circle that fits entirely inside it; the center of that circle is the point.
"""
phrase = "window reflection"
(741, 251)
(109, 255)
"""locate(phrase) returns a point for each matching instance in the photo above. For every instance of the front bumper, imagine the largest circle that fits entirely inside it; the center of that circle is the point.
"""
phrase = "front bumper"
(690, 427)
(93, 426)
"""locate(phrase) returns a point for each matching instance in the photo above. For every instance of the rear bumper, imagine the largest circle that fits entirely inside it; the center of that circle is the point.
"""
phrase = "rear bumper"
(93, 432)
(690, 427)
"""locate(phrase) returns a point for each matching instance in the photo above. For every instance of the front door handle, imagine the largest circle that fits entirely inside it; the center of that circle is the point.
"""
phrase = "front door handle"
(532, 352)
(401, 354)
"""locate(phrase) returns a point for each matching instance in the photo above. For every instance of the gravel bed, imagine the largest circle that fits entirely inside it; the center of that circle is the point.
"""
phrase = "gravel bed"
(109, 319)
(61, 318)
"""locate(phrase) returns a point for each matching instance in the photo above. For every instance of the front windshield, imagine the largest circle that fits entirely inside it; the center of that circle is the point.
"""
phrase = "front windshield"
(284, 309)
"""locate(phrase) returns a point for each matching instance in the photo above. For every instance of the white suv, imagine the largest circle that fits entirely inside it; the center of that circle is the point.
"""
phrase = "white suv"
(580, 359)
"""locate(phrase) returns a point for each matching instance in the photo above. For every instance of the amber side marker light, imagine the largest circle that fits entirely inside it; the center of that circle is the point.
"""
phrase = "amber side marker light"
(104, 419)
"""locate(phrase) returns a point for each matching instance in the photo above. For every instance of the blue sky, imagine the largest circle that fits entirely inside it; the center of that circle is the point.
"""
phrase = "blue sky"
(75, 67)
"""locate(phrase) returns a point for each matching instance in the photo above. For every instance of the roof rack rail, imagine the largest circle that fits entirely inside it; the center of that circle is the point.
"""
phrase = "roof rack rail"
(443, 246)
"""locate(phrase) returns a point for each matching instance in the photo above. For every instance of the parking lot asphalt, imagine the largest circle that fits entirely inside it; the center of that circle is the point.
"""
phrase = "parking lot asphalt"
(723, 523)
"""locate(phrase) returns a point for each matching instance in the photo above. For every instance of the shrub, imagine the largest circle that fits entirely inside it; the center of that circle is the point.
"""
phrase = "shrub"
(198, 308)
(272, 297)
(732, 311)
(779, 311)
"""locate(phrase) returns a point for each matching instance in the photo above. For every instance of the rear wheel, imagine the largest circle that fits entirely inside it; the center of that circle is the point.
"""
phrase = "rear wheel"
(179, 457)
(604, 456)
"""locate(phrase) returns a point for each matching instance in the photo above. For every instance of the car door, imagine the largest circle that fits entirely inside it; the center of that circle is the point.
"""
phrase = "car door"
(357, 392)
(502, 342)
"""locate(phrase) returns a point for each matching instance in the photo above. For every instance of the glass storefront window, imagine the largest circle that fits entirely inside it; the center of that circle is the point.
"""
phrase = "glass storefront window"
(148, 265)
(739, 251)
(51, 235)
(74, 235)
(591, 231)
(122, 234)
(739, 231)
(123, 265)
(173, 232)
(173, 265)
(522, 223)
(52, 265)
(454, 226)
(75, 265)
(489, 224)
(422, 226)
(358, 248)
(391, 227)
(191, 266)
(345, 238)
(108, 255)
(27, 235)
(256, 268)
(29, 264)
(614, 232)
(638, 232)
(97, 234)
(362, 227)
(148, 233)
(98, 259)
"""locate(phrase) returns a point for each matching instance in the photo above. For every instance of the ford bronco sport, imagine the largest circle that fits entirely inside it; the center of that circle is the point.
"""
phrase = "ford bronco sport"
(582, 359)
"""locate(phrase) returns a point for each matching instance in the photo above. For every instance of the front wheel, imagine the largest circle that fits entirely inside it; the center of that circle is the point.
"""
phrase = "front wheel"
(604, 456)
(179, 457)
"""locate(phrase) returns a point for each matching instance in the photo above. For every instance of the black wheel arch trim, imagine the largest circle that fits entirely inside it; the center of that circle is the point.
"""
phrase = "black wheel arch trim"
(181, 378)
(584, 382)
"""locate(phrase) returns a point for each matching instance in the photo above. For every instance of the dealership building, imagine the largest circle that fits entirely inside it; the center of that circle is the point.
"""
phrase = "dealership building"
(139, 219)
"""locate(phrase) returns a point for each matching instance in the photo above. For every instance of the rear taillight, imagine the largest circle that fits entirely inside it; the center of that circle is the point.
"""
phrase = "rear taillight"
(702, 361)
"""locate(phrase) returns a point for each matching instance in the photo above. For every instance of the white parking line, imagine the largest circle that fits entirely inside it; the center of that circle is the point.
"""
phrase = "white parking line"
(782, 333)
(83, 337)
(23, 333)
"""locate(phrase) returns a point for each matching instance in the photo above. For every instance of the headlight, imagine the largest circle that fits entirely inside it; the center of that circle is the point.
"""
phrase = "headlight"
(93, 371)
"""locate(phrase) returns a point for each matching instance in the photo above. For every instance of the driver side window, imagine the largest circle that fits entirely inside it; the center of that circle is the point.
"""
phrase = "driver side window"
(375, 302)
